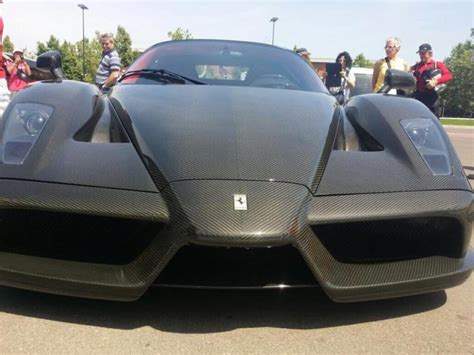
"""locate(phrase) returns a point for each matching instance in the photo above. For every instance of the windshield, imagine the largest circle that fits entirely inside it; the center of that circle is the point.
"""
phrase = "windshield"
(228, 63)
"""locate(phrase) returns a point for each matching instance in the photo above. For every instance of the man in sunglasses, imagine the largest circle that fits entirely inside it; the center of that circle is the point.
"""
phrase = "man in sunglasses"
(431, 75)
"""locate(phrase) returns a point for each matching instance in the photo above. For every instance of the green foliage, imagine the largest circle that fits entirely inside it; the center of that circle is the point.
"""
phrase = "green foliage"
(93, 57)
(51, 45)
(72, 54)
(457, 122)
(8, 45)
(123, 45)
(362, 62)
(458, 98)
(179, 34)
(72, 62)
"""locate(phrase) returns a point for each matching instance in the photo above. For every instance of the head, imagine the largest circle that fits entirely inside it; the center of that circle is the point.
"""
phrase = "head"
(17, 53)
(344, 59)
(392, 47)
(303, 53)
(106, 41)
(425, 52)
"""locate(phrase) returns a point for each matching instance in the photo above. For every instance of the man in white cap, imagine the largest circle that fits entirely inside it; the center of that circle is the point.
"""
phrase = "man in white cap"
(19, 71)
(429, 74)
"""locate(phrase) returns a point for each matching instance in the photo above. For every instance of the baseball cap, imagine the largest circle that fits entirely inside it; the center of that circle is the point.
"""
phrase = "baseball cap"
(302, 51)
(17, 51)
(424, 48)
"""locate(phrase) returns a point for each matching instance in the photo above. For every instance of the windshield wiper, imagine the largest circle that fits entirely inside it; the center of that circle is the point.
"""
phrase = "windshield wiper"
(163, 74)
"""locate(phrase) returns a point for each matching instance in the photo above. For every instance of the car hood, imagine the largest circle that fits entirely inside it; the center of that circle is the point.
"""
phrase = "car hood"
(189, 132)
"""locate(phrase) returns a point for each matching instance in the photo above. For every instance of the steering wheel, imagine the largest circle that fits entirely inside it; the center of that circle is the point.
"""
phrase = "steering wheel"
(277, 81)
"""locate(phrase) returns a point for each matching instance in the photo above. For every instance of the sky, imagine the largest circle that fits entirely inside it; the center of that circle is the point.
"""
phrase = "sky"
(325, 28)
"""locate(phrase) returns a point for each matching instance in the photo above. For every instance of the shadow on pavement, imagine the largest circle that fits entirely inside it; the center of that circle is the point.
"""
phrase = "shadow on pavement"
(204, 311)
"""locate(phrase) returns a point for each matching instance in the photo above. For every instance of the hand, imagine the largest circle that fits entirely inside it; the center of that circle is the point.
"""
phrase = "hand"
(343, 74)
(430, 84)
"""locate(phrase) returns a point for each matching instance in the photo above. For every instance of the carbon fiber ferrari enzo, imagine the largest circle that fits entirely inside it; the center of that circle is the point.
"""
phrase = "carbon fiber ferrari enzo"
(228, 164)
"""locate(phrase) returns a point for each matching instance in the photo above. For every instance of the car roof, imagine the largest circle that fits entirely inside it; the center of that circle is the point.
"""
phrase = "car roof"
(357, 70)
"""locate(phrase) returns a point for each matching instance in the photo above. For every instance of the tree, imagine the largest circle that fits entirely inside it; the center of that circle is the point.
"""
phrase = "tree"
(361, 61)
(179, 34)
(72, 54)
(72, 62)
(8, 45)
(51, 45)
(93, 56)
(123, 45)
(458, 98)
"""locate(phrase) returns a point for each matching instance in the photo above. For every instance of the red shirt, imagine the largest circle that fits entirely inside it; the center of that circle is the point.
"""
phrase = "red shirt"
(419, 68)
(15, 82)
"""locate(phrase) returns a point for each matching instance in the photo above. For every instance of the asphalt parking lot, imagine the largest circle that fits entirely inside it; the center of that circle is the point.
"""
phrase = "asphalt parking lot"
(203, 321)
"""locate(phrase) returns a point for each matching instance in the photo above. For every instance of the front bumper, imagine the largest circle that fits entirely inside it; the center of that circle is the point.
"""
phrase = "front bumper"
(185, 223)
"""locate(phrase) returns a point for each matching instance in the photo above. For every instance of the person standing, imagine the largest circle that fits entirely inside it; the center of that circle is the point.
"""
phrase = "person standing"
(427, 84)
(18, 71)
(305, 55)
(348, 79)
(391, 61)
(4, 92)
(109, 66)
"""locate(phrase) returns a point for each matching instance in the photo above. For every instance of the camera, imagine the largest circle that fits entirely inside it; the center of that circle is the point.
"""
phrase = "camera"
(22, 74)
(433, 73)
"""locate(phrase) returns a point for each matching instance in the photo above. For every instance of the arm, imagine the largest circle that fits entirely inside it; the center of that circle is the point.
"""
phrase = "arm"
(111, 79)
(27, 68)
(351, 80)
(406, 67)
(114, 64)
(445, 74)
(10, 67)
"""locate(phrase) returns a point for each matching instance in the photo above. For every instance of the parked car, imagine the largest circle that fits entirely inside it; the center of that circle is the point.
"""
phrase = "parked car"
(363, 81)
(228, 164)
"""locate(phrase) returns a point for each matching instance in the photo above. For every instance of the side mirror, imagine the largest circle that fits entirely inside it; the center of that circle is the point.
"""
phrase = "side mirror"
(51, 61)
(398, 79)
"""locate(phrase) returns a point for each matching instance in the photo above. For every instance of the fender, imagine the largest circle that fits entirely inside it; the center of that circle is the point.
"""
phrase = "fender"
(66, 151)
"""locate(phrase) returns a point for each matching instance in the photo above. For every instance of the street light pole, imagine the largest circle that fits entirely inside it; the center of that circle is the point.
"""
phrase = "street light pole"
(83, 7)
(273, 19)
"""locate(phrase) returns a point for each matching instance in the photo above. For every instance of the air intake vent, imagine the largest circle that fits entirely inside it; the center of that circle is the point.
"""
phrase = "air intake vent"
(392, 240)
(74, 237)
(218, 267)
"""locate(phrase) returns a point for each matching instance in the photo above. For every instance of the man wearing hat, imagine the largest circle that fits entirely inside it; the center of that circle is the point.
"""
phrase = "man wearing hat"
(428, 81)
(303, 53)
(18, 71)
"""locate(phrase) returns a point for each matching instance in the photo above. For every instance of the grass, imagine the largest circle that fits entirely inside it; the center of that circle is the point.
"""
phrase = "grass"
(457, 121)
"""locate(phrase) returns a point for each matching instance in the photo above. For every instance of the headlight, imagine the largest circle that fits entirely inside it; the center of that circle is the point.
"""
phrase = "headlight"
(429, 142)
(22, 128)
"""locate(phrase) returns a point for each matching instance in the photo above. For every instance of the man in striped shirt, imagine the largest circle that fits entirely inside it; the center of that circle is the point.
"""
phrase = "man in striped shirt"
(109, 66)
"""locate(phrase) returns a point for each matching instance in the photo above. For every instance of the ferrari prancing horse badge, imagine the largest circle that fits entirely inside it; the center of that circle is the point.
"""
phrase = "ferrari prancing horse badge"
(240, 202)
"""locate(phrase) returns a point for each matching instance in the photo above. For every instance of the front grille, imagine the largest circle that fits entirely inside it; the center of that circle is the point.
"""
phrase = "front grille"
(222, 267)
(392, 240)
(74, 237)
